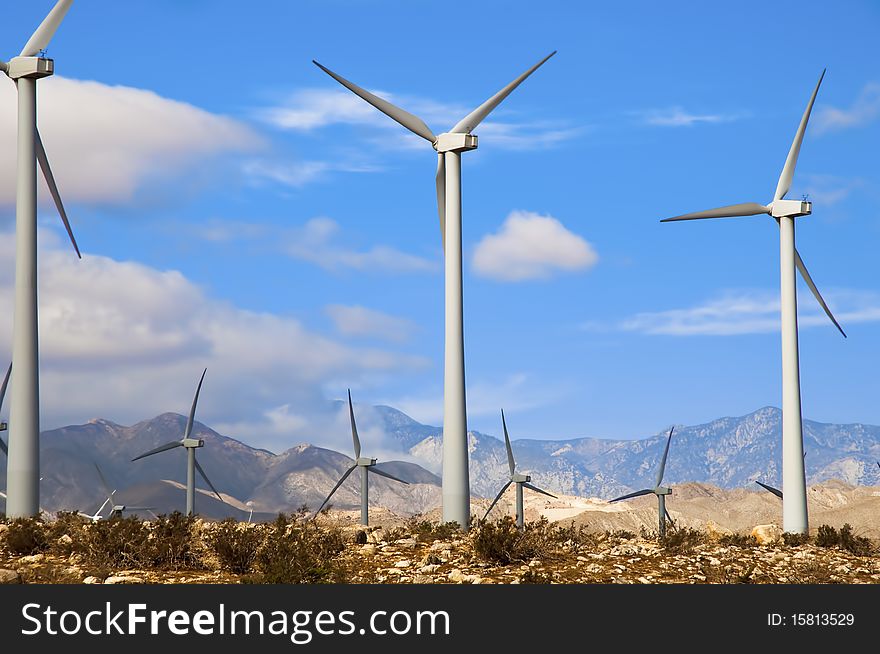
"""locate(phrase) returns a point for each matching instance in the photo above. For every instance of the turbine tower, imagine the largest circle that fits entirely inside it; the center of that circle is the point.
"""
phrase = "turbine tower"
(23, 466)
(794, 506)
(449, 146)
(367, 466)
(515, 478)
(191, 444)
(660, 491)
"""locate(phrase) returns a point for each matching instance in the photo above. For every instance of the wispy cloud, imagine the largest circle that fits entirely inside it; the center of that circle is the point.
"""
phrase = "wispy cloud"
(362, 321)
(679, 117)
(753, 312)
(865, 109)
(311, 109)
(531, 246)
(298, 174)
(828, 190)
(316, 242)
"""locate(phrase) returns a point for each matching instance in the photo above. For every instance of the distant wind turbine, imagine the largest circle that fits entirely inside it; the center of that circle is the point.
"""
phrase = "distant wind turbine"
(794, 508)
(116, 510)
(23, 478)
(515, 478)
(3, 424)
(367, 466)
(449, 146)
(660, 491)
(191, 444)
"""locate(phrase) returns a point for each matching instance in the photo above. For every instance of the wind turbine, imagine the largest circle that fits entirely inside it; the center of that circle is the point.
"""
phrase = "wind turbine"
(3, 425)
(660, 491)
(116, 509)
(449, 146)
(191, 444)
(515, 478)
(367, 466)
(24, 416)
(794, 508)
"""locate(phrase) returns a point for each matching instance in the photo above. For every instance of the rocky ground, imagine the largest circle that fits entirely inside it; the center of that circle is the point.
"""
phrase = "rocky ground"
(424, 552)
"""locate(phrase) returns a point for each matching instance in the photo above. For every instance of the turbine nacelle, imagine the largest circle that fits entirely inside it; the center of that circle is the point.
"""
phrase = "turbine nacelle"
(518, 478)
(192, 442)
(662, 490)
(29, 67)
(790, 208)
(365, 461)
(455, 142)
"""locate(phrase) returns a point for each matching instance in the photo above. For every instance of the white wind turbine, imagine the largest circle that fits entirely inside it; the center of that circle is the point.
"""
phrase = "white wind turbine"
(367, 466)
(515, 478)
(3, 425)
(449, 146)
(191, 444)
(23, 477)
(794, 506)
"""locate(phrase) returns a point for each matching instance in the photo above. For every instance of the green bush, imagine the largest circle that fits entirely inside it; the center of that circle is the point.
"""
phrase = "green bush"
(297, 550)
(681, 539)
(116, 543)
(26, 536)
(236, 544)
(738, 540)
(858, 545)
(428, 531)
(502, 542)
(792, 539)
(171, 542)
(826, 536)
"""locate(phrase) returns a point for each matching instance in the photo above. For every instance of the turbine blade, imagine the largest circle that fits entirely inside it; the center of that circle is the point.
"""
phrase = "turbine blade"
(205, 477)
(5, 384)
(441, 195)
(510, 462)
(4, 66)
(413, 123)
(470, 122)
(775, 491)
(647, 491)
(53, 188)
(538, 490)
(4, 447)
(192, 410)
(161, 448)
(104, 483)
(791, 161)
(730, 211)
(40, 38)
(382, 473)
(662, 468)
(336, 487)
(497, 497)
(669, 517)
(354, 429)
(809, 280)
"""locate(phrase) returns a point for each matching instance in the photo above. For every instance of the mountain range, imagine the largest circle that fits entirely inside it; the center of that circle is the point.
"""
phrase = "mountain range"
(728, 453)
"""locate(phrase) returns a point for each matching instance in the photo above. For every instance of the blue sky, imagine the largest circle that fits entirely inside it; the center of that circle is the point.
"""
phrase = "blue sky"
(239, 210)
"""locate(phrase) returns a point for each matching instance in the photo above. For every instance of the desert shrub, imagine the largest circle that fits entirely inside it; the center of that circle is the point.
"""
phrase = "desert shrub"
(792, 539)
(737, 540)
(681, 539)
(236, 544)
(65, 532)
(428, 531)
(826, 536)
(26, 536)
(502, 542)
(858, 545)
(620, 534)
(115, 542)
(171, 542)
(297, 550)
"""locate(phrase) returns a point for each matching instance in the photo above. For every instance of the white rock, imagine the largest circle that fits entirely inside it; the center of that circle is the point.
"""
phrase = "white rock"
(91, 580)
(122, 580)
(9, 577)
(403, 564)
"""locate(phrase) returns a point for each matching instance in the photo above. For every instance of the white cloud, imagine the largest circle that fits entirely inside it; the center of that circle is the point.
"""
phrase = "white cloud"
(531, 246)
(361, 321)
(828, 190)
(124, 341)
(314, 242)
(754, 312)
(298, 174)
(106, 142)
(865, 109)
(679, 117)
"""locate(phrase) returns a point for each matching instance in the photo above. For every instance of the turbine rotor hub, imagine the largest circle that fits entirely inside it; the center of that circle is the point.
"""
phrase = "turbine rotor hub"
(454, 142)
(30, 67)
